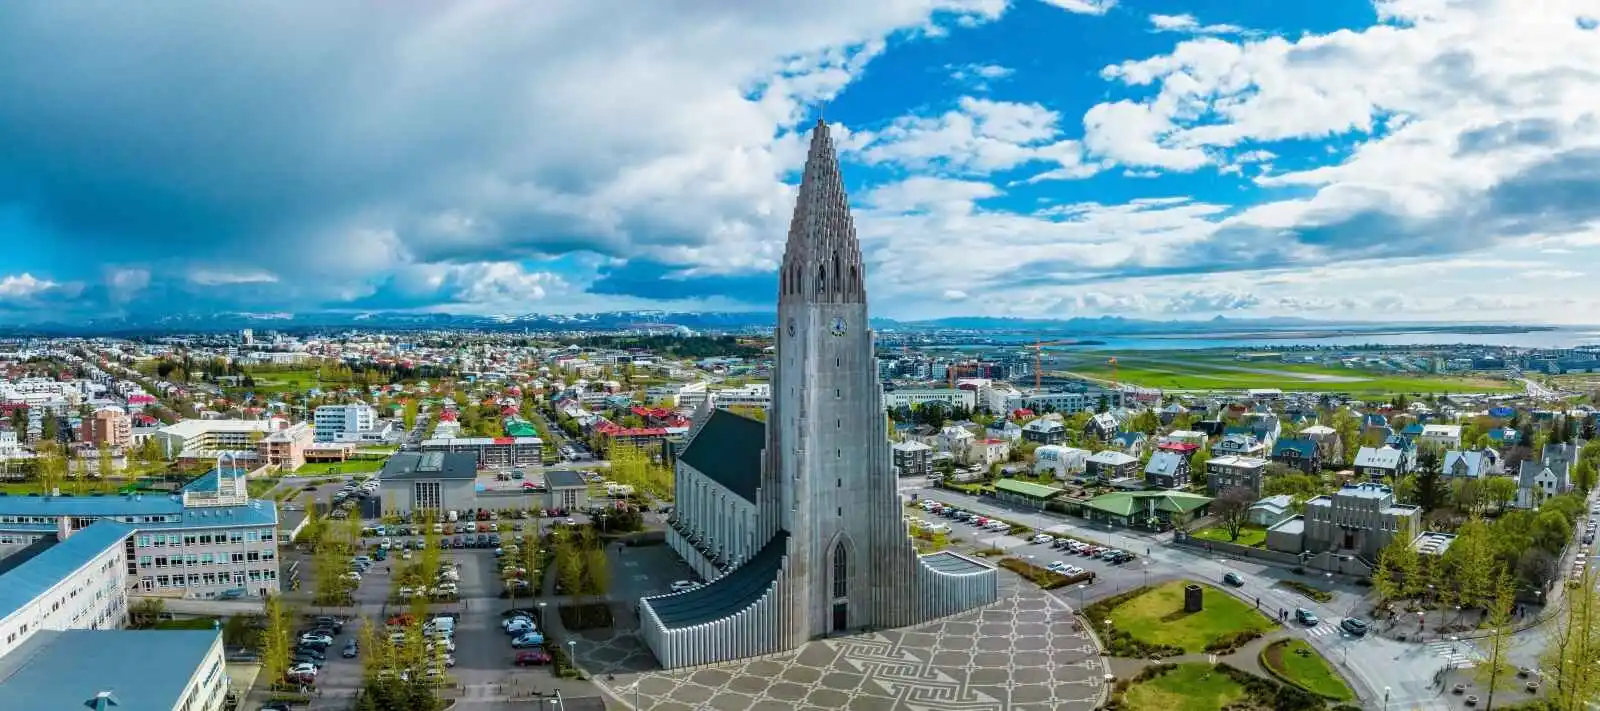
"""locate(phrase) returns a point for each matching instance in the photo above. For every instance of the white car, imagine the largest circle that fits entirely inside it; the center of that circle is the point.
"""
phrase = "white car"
(519, 619)
(683, 585)
(352, 576)
(1042, 538)
(385, 544)
(312, 638)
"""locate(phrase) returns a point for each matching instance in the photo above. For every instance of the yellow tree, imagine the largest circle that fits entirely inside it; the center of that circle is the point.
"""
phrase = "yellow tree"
(1570, 666)
(275, 642)
(1496, 672)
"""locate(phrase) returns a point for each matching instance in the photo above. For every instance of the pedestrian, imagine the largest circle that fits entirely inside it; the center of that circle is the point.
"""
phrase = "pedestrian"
(1258, 603)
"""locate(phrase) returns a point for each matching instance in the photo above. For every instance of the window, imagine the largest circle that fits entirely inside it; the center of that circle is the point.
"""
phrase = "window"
(841, 568)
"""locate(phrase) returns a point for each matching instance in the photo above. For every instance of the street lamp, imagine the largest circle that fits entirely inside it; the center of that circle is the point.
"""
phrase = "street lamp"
(1081, 586)
(1386, 698)
(1146, 564)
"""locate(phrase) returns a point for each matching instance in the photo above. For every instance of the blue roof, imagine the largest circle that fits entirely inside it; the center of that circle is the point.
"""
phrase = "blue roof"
(143, 669)
(257, 513)
(1305, 447)
(208, 480)
(20, 585)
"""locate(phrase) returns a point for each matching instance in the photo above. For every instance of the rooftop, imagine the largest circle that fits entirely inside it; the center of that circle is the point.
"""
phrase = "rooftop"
(430, 465)
(195, 427)
(727, 450)
(147, 669)
(1027, 488)
(564, 479)
(726, 595)
(133, 508)
(46, 569)
(951, 563)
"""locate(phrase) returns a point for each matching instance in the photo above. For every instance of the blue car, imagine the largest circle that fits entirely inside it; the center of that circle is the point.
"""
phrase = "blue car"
(531, 639)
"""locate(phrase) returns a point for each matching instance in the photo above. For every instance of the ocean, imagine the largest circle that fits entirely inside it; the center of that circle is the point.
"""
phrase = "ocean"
(1553, 338)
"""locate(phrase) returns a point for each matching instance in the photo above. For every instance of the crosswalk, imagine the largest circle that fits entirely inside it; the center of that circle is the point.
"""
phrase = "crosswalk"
(1321, 630)
(1457, 654)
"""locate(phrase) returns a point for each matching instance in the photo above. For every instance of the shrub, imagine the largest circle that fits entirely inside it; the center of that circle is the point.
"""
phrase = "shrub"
(1232, 642)
(1314, 593)
(1047, 579)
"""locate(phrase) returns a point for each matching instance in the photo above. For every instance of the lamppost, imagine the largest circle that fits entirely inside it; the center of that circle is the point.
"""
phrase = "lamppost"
(1081, 586)
(1146, 565)
(1385, 698)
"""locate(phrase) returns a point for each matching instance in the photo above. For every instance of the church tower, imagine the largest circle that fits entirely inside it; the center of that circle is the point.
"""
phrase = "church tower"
(827, 451)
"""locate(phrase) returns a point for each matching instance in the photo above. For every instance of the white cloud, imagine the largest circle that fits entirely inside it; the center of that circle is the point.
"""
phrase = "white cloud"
(978, 137)
(225, 277)
(24, 285)
(1187, 24)
(1084, 7)
(978, 76)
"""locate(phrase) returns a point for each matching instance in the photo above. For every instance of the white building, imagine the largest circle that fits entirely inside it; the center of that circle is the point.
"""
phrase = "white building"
(1061, 461)
(79, 581)
(430, 481)
(208, 439)
(492, 452)
(343, 423)
(1444, 437)
(753, 395)
(210, 540)
(919, 397)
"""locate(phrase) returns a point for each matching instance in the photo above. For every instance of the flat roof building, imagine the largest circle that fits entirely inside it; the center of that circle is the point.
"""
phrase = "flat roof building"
(147, 670)
(428, 481)
(75, 580)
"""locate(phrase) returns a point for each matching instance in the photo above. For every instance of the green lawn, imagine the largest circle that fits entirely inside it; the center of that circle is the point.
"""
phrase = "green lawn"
(349, 466)
(76, 487)
(1157, 617)
(258, 488)
(1254, 536)
(1179, 371)
(1189, 687)
(198, 623)
(1296, 661)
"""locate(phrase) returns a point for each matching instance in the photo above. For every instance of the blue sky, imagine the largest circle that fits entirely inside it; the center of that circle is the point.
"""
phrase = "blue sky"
(1373, 159)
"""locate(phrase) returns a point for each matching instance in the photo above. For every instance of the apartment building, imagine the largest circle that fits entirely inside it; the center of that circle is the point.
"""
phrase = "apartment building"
(755, 395)
(108, 426)
(65, 580)
(913, 398)
(344, 423)
(492, 452)
(206, 541)
(912, 458)
(1223, 473)
(208, 439)
(285, 448)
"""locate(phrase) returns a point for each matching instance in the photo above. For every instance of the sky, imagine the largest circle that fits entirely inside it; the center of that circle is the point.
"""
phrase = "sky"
(1340, 159)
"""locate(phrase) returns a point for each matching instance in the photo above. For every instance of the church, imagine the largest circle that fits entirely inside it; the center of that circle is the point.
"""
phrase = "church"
(796, 522)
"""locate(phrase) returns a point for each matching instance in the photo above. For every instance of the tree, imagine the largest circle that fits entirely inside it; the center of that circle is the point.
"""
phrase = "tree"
(1496, 671)
(275, 641)
(1197, 461)
(1472, 564)
(1432, 491)
(1232, 509)
(1501, 490)
(1570, 666)
(1348, 428)
(1396, 576)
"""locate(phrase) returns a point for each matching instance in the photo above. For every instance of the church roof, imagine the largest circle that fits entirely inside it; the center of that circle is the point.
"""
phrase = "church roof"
(723, 597)
(727, 450)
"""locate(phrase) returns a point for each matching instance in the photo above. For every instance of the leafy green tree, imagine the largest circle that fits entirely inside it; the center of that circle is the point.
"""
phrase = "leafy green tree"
(275, 638)
(1496, 671)
(1398, 565)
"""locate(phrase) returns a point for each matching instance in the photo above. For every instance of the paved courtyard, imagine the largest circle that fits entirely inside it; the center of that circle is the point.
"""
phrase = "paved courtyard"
(1021, 654)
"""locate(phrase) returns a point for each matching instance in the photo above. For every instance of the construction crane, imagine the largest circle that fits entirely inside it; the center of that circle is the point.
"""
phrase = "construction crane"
(1038, 347)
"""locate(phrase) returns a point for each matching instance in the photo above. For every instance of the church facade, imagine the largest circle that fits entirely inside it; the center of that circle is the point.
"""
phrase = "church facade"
(796, 522)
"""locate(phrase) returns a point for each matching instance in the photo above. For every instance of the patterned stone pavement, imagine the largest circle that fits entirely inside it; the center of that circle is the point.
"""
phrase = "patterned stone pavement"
(1021, 654)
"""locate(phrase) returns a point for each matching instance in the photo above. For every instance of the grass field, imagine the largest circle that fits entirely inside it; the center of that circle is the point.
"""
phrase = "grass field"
(1189, 687)
(281, 380)
(1296, 661)
(1181, 371)
(69, 486)
(198, 623)
(349, 466)
(1248, 536)
(1157, 617)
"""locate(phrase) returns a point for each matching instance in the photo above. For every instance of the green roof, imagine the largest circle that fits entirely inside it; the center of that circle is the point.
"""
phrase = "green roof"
(1125, 503)
(518, 428)
(1027, 488)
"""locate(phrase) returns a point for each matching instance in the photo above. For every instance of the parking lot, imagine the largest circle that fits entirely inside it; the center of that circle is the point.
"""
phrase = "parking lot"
(1110, 578)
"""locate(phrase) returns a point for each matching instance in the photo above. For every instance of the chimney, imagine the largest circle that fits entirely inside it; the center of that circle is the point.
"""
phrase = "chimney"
(63, 528)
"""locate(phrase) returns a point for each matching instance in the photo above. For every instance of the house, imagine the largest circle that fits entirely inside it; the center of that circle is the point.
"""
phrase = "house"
(1061, 461)
(1329, 448)
(1264, 426)
(1471, 463)
(1239, 445)
(1378, 462)
(1130, 443)
(1270, 511)
(1504, 437)
(912, 458)
(1442, 436)
(1045, 431)
(1102, 426)
(1185, 437)
(1171, 411)
(1006, 430)
(1227, 472)
(987, 452)
(1167, 470)
(1541, 479)
(1110, 464)
(955, 440)
(1298, 453)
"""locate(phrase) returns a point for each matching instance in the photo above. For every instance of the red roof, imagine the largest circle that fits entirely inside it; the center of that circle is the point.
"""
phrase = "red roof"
(1022, 412)
(657, 413)
(612, 429)
(1185, 447)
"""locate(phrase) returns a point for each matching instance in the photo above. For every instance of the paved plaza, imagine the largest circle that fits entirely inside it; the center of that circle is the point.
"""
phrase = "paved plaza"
(1023, 653)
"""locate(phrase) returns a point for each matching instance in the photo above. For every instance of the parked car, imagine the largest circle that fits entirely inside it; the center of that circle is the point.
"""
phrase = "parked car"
(530, 639)
(1043, 538)
(531, 657)
(683, 585)
(350, 650)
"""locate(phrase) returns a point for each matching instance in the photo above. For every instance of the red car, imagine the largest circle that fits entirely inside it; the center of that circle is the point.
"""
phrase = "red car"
(532, 657)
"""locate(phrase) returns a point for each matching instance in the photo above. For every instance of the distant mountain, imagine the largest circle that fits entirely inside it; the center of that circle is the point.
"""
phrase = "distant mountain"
(634, 321)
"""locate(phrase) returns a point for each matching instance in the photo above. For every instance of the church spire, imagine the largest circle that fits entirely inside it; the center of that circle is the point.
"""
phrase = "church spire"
(822, 259)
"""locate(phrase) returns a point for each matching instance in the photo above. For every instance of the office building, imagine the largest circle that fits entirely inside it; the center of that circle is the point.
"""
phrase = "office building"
(344, 423)
(491, 452)
(65, 580)
(208, 540)
(428, 481)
